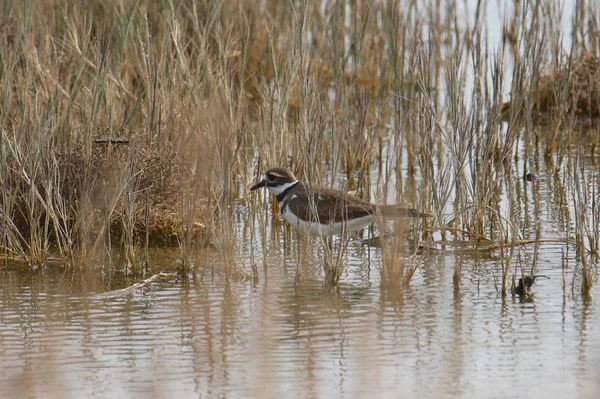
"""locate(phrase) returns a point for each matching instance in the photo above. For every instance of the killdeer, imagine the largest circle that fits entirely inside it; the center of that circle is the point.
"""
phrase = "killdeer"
(322, 211)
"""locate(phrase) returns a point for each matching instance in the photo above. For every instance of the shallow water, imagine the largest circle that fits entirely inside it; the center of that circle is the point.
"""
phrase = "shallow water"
(72, 334)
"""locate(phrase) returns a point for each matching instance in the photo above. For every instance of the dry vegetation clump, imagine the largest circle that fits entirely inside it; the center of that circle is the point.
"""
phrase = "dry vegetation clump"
(154, 177)
(572, 90)
(134, 185)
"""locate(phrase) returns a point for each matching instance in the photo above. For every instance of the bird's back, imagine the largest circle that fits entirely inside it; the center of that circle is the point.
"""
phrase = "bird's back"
(327, 205)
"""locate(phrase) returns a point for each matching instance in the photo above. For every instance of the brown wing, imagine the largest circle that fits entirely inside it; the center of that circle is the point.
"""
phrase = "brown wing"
(328, 204)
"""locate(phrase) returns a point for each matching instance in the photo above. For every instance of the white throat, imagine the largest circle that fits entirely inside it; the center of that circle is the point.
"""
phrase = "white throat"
(280, 189)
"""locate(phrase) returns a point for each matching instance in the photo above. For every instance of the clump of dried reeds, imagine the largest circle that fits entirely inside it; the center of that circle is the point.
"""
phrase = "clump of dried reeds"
(571, 91)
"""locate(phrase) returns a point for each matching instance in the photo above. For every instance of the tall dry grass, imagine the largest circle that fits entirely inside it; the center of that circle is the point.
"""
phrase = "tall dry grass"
(391, 100)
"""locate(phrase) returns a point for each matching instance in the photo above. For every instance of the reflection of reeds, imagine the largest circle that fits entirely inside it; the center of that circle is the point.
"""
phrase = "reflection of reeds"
(399, 262)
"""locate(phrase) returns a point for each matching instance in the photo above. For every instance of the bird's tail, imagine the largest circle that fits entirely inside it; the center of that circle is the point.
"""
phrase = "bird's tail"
(395, 211)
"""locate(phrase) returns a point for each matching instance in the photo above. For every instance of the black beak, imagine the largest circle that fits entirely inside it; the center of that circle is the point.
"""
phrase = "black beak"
(262, 183)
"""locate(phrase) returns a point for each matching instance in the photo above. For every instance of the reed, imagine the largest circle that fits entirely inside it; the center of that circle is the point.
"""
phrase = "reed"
(395, 101)
(586, 221)
(399, 258)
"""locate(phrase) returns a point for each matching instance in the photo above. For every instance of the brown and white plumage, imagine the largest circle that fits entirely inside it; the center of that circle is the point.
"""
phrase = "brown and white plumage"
(323, 211)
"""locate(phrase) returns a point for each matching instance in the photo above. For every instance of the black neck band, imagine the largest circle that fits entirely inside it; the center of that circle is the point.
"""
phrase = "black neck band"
(282, 195)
